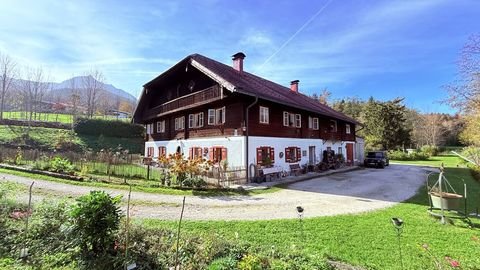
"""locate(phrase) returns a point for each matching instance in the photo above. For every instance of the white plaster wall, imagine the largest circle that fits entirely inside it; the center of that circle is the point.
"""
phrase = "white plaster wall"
(236, 144)
(279, 144)
(235, 147)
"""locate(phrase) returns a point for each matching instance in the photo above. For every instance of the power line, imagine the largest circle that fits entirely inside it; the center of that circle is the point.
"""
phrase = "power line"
(297, 32)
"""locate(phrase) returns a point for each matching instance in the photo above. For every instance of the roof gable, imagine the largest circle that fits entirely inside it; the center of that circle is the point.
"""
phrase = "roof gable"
(250, 84)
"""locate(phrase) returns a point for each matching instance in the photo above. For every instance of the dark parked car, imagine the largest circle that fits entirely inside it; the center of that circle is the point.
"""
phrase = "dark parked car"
(377, 159)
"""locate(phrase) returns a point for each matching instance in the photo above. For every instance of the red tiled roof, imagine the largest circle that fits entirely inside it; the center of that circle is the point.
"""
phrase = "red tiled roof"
(251, 84)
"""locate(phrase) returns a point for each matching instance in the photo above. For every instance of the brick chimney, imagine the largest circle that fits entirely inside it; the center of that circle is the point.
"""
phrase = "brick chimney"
(294, 86)
(238, 61)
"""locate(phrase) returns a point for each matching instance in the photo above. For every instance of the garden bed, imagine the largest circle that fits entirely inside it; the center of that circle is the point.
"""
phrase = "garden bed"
(47, 173)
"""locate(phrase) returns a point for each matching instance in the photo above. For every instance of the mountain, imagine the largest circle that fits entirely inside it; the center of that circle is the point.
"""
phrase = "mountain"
(78, 82)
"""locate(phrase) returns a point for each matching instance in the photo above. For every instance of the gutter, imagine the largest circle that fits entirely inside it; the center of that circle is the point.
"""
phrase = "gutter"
(246, 137)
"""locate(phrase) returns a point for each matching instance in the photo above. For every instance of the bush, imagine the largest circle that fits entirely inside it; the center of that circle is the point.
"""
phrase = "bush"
(430, 150)
(108, 128)
(61, 165)
(400, 155)
(195, 182)
(95, 221)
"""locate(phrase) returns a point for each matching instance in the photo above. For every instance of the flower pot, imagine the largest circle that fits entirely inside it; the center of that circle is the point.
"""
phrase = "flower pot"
(450, 201)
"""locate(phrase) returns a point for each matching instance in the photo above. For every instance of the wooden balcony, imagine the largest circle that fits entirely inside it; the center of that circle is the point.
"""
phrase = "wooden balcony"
(188, 101)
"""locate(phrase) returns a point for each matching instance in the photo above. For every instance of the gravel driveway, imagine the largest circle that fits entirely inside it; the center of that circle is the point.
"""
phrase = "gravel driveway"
(342, 193)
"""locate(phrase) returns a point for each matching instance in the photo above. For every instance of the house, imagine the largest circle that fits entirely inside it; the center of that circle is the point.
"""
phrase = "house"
(203, 108)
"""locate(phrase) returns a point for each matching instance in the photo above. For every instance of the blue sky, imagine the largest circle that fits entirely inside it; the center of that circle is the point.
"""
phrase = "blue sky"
(355, 48)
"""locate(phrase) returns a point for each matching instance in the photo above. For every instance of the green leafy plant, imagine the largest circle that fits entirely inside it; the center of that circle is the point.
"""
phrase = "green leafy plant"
(95, 221)
(430, 150)
(61, 165)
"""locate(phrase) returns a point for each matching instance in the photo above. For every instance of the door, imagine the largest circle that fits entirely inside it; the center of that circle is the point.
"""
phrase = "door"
(311, 155)
(350, 153)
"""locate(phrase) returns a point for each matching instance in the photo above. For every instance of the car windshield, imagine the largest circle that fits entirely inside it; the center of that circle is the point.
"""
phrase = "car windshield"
(375, 154)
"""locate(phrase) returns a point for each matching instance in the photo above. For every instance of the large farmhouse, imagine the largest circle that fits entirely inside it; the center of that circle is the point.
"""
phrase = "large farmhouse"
(203, 108)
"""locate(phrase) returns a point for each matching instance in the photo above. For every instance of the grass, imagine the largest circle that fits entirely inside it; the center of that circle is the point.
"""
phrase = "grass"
(144, 186)
(436, 161)
(48, 138)
(367, 239)
(53, 117)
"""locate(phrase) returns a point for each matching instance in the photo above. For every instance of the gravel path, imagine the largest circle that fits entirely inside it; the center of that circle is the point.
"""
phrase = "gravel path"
(342, 193)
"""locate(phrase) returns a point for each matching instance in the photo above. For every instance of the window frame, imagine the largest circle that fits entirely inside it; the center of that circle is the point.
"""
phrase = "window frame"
(195, 120)
(264, 115)
(348, 129)
(292, 119)
(161, 126)
(297, 154)
(335, 127)
(298, 120)
(180, 123)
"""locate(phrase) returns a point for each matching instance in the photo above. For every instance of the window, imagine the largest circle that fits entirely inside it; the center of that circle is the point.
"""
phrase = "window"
(298, 120)
(265, 155)
(340, 152)
(162, 151)
(211, 116)
(216, 116)
(195, 152)
(180, 123)
(347, 129)
(313, 122)
(149, 128)
(161, 126)
(264, 117)
(293, 154)
(195, 120)
(333, 126)
(217, 154)
(292, 120)
(150, 151)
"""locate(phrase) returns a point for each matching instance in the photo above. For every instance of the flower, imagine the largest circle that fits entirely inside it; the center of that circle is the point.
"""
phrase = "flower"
(452, 262)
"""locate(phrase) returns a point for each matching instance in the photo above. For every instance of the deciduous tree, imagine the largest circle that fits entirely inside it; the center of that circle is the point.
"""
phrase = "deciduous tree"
(8, 73)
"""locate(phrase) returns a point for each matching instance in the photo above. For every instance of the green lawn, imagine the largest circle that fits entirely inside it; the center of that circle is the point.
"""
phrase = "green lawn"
(48, 138)
(367, 239)
(436, 161)
(53, 117)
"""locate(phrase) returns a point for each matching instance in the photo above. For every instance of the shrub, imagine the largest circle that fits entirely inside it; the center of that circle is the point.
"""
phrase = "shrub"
(108, 128)
(400, 155)
(224, 263)
(95, 221)
(473, 154)
(195, 182)
(430, 150)
(61, 165)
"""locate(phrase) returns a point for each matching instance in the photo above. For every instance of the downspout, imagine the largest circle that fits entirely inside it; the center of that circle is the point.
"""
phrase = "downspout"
(246, 137)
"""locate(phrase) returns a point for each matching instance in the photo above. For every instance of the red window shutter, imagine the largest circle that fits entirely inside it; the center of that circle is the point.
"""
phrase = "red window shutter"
(210, 154)
(259, 156)
(299, 154)
(190, 153)
(224, 153)
(272, 154)
(287, 155)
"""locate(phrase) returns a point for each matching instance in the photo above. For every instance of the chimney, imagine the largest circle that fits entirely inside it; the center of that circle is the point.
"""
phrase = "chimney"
(238, 61)
(294, 86)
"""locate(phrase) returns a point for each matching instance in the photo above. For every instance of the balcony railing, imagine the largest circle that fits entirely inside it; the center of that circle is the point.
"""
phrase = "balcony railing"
(191, 100)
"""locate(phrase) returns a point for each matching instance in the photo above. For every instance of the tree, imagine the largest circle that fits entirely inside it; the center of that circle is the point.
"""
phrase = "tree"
(7, 76)
(93, 83)
(385, 124)
(464, 94)
(74, 98)
(32, 90)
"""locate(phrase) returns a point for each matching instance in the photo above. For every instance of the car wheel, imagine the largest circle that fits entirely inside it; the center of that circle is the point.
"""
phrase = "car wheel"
(381, 165)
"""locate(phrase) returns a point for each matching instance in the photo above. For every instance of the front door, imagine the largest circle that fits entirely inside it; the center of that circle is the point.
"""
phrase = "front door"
(350, 153)
(311, 155)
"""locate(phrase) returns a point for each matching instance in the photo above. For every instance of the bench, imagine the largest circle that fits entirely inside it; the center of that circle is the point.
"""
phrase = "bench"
(295, 169)
(272, 172)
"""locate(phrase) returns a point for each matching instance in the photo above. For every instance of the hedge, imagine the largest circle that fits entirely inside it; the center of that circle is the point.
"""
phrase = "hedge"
(108, 128)
(25, 123)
